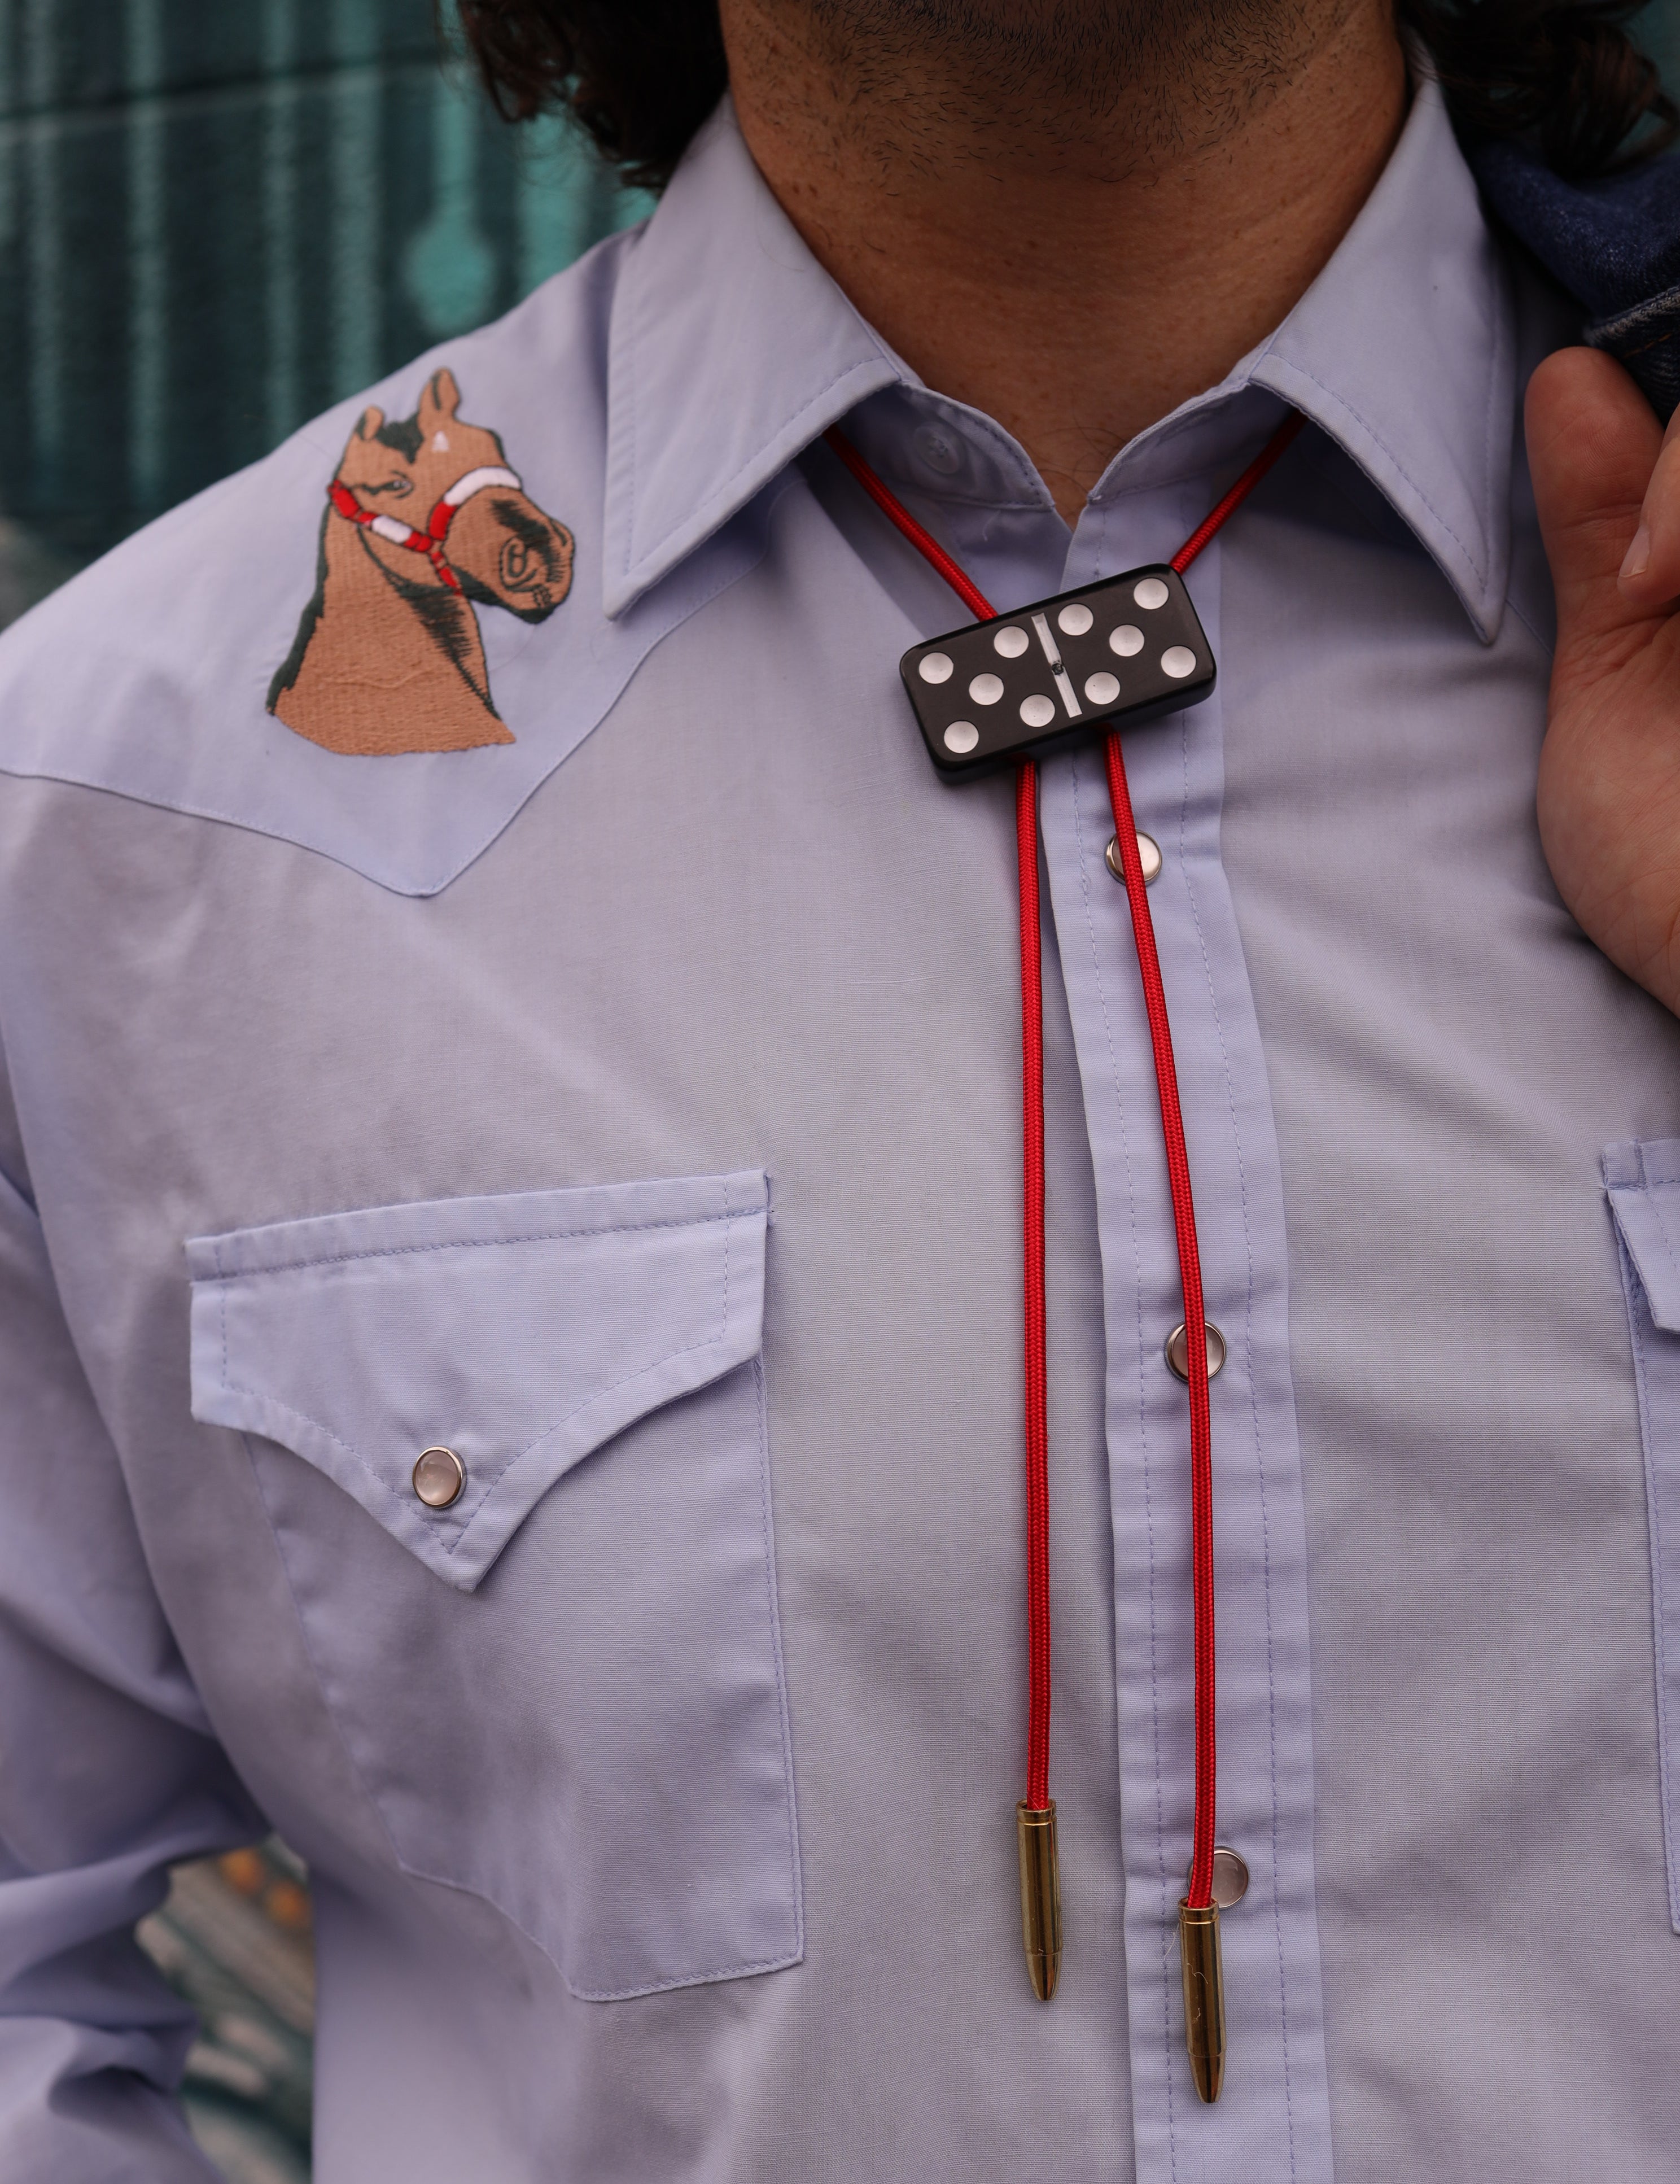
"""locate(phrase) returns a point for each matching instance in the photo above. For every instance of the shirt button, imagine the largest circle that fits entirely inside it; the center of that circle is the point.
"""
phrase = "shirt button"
(439, 1476)
(1230, 1877)
(1148, 855)
(939, 449)
(1178, 1351)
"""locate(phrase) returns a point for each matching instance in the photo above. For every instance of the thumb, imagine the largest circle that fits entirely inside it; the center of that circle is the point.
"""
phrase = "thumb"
(1592, 448)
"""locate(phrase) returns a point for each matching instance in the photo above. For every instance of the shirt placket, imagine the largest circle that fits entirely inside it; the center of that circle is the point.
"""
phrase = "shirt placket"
(1272, 2122)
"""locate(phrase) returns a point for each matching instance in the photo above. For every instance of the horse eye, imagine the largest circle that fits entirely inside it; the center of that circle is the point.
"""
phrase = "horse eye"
(399, 484)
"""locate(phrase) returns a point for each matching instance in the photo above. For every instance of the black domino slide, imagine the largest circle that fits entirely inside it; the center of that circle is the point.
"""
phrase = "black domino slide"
(1112, 654)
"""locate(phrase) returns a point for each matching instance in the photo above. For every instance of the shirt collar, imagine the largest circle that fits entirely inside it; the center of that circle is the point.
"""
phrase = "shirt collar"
(1404, 352)
(731, 350)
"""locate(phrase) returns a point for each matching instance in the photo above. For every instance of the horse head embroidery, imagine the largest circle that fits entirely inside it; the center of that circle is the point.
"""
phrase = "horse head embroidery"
(423, 517)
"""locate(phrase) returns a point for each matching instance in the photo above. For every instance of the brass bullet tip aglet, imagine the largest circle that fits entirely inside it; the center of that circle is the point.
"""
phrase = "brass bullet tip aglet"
(1041, 1896)
(1204, 1996)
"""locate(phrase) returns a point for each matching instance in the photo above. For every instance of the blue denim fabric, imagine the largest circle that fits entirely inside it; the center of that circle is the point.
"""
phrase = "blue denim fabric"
(1614, 244)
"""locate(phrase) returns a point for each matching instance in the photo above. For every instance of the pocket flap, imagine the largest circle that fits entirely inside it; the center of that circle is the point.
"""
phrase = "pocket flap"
(522, 1332)
(1644, 1181)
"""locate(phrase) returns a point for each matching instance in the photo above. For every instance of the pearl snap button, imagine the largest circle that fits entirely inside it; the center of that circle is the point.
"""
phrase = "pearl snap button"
(1178, 1351)
(1148, 855)
(1230, 1877)
(938, 450)
(439, 1476)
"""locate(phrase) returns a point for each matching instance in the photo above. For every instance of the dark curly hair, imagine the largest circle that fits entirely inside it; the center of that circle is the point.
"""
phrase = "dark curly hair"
(641, 76)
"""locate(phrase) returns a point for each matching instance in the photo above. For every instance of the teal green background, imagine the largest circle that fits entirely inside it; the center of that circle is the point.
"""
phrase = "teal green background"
(218, 216)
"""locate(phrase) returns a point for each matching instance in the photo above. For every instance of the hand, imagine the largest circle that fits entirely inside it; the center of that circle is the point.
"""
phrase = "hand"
(1607, 482)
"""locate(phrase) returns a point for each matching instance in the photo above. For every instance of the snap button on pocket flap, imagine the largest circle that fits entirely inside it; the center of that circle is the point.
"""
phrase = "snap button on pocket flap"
(513, 1335)
(1644, 1181)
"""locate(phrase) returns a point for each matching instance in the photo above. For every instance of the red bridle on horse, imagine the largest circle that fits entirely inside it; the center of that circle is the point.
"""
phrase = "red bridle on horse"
(430, 541)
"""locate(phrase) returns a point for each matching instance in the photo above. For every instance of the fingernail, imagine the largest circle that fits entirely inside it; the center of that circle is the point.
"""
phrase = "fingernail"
(1638, 554)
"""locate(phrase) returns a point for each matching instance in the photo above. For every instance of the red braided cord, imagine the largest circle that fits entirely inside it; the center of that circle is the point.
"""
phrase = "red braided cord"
(1200, 1891)
(1195, 1326)
(1216, 518)
(1033, 1266)
(1199, 1894)
(896, 513)
(1032, 1164)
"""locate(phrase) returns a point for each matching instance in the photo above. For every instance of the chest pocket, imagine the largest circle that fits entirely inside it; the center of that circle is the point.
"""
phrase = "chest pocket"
(563, 1691)
(1644, 1181)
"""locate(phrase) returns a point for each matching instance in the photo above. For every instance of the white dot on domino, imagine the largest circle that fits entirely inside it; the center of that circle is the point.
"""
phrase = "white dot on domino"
(1010, 641)
(1037, 712)
(961, 737)
(1178, 661)
(1102, 689)
(986, 689)
(1125, 640)
(935, 667)
(1074, 621)
(1150, 594)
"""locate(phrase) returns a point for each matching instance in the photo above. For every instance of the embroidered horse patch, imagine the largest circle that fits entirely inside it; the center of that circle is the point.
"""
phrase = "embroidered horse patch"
(423, 518)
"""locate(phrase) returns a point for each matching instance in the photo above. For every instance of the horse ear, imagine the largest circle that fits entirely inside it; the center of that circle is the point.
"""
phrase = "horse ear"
(440, 401)
(372, 420)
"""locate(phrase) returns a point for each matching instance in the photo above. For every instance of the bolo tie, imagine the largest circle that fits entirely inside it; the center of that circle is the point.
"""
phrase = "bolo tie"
(1008, 689)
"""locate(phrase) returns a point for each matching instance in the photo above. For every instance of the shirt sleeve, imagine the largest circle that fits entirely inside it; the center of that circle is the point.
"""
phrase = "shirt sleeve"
(109, 1773)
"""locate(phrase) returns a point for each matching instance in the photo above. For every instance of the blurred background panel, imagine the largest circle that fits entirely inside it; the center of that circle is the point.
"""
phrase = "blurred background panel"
(216, 218)
(233, 1938)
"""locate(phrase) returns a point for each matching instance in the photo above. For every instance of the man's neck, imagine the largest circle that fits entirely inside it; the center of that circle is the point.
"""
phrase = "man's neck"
(1075, 257)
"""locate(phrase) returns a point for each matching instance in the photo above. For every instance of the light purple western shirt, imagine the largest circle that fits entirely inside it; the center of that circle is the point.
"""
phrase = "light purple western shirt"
(630, 1107)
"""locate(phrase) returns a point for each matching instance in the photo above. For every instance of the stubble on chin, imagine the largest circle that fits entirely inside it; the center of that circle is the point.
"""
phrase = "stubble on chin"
(1169, 76)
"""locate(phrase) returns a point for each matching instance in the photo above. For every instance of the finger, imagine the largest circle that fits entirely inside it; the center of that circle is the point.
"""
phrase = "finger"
(1593, 448)
(1650, 573)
